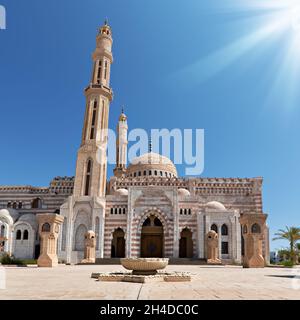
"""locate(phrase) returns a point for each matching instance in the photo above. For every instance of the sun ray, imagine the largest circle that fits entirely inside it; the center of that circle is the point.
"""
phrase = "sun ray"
(274, 18)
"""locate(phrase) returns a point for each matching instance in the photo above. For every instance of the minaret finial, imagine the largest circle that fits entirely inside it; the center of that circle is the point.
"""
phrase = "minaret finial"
(106, 21)
(122, 109)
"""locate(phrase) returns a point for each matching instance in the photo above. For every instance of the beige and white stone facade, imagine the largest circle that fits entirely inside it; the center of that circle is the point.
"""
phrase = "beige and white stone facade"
(145, 209)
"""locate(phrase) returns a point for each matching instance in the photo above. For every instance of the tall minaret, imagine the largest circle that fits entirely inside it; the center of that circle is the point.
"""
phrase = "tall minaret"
(121, 150)
(91, 165)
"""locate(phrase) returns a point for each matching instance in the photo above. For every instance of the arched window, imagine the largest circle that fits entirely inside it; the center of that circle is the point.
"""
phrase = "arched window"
(224, 230)
(161, 173)
(155, 172)
(190, 211)
(120, 210)
(185, 211)
(134, 174)
(214, 228)
(19, 235)
(94, 115)
(180, 211)
(20, 205)
(111, 210)
(116, 210)
(99, 71)
(88, 178)
(36, 203)
(105, 69)
(25, 235)
(150, 173)
(157, 222)
(140, 173)
(255, 228)
(46, 227)
(124, 211)
(9, 205)
(147, 223)
(145, 173)
(2, 231)
(14, 205)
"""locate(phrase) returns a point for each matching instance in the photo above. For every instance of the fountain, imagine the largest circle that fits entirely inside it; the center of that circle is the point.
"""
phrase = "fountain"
(144, 266)
(143, 270)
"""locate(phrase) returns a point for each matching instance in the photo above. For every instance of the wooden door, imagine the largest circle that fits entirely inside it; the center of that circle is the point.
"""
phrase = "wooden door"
(183, 248)
(120, 247)
(152, 246)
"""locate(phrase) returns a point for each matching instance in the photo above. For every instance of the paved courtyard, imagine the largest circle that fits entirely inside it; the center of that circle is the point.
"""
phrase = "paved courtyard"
(209, 282)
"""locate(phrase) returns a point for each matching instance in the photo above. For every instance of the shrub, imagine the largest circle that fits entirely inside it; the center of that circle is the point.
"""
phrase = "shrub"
(7, 259)
(29, 261)
(287, 263)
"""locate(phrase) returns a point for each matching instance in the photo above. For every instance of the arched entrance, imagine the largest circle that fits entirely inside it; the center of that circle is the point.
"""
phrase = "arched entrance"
(79, 237)
(152, 238)
(186, 244)
(118, 244)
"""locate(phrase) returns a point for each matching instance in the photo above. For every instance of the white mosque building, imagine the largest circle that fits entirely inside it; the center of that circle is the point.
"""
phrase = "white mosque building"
(143, 210)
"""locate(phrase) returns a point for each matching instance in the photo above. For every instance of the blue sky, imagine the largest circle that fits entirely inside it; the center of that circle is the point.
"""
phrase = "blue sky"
(178, 64)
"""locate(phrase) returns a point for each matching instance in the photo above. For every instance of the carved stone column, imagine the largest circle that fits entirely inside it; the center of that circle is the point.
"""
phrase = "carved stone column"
(212, 240)
(253, 228)
(49, 231)
(90, 247)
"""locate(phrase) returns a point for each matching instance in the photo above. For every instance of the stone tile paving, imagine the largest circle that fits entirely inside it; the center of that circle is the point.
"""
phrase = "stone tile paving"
(208, 282)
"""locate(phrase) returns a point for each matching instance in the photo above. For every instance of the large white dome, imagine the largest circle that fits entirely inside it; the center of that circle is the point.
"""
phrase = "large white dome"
(153, 162)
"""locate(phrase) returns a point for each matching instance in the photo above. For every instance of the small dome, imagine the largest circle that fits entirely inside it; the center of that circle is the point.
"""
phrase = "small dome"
(215, 205)
(122, 192)
(105, 29)
(152, 161)
(11, 215)
(122, 117)
(183, 192)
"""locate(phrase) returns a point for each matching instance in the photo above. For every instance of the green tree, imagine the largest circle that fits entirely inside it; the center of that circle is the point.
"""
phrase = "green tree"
(291, 234)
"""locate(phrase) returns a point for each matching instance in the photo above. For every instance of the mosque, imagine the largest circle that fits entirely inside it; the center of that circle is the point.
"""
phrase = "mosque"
(143, 210)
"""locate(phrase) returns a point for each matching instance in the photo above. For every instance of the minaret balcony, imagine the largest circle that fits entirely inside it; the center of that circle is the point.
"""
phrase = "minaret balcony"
(95, 88)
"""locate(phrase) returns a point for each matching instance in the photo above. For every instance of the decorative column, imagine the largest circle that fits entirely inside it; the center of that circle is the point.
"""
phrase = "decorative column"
(49, 231)
(212, 240)
(253, 228)
(90, 247)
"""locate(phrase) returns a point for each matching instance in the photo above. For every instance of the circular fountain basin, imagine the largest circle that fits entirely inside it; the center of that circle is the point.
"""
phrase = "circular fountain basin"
(144, 266)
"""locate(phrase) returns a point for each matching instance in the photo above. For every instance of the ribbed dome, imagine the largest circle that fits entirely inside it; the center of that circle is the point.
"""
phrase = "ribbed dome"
(183, 192)
(152, 161)
(215, 205)
(121, 192)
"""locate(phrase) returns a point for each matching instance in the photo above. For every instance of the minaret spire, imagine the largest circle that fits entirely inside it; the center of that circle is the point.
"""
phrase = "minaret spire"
(121, 145)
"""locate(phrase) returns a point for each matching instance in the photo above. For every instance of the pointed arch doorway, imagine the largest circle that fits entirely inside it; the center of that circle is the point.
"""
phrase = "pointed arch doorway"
(152, 238)
(186, 244)
(118, 244)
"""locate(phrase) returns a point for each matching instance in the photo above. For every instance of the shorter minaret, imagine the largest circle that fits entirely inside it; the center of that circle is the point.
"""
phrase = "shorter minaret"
(121, 150)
